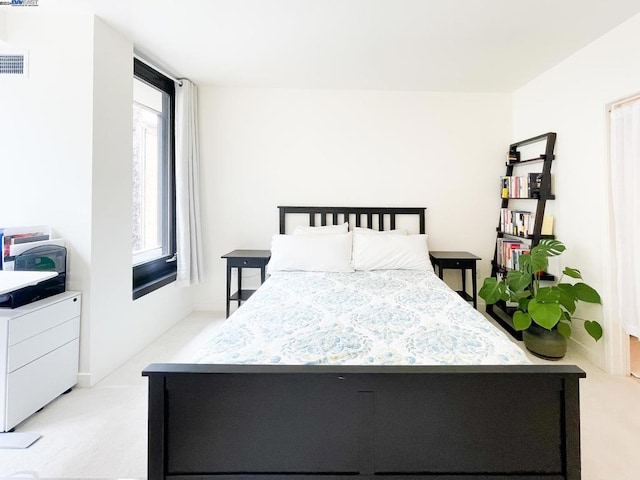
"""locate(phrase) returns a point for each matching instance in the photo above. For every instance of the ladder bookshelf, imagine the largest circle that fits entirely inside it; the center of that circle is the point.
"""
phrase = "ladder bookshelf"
(516, 227)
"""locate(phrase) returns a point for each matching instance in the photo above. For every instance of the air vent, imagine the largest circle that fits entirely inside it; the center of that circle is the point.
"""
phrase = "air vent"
(12, 64)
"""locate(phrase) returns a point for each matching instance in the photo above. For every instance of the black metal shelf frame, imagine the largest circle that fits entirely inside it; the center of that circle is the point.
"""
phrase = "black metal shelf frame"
(500, 312)
(526, 237)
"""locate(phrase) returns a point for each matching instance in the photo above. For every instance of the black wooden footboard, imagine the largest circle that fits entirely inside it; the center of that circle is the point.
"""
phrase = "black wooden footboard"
(332, 422)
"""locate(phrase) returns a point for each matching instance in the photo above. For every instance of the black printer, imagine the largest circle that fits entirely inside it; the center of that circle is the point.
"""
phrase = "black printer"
(44, 258)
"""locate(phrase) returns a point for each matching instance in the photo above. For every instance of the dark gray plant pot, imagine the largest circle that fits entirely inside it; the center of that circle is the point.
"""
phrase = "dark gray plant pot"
(543, 343)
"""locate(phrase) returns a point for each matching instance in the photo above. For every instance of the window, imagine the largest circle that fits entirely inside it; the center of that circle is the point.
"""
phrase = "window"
(154, 206)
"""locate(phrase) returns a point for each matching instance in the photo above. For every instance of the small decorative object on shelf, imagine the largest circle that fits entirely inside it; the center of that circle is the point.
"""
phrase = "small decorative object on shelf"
(534, 184)
(544, 313)
(520, 230)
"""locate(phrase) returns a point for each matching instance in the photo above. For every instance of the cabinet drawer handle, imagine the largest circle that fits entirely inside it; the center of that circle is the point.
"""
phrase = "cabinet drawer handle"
(245, 262)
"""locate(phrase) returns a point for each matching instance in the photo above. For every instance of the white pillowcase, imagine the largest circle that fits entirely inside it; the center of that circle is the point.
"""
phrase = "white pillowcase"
(391, 252)
(312, 253)
(370, 231)
(325, 230)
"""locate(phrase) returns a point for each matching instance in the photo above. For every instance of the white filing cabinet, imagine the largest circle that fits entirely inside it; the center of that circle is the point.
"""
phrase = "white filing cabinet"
(38, 355)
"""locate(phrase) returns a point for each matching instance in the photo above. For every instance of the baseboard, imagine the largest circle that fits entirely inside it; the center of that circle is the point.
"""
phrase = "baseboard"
(208, 307)
(84, 380)
(588, 353)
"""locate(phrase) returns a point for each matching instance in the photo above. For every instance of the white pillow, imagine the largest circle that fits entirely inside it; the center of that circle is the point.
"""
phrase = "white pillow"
(325, 230)
(391, 252)
(313, 253)
(370, 231)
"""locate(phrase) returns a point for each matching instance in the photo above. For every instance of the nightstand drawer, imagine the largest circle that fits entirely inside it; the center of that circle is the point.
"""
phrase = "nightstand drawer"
(456, 263)
(248, 262)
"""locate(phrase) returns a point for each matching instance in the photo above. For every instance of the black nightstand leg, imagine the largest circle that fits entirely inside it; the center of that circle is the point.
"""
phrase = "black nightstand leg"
(239, 286)
(463, 271)
(474, 284)
(228, 288)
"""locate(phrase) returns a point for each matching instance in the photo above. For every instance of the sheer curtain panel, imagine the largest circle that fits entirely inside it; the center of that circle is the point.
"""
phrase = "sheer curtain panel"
(188, 228)
(625, 202)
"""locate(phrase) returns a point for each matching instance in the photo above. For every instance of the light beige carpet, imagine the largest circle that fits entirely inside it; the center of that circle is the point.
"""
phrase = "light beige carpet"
(100, 432)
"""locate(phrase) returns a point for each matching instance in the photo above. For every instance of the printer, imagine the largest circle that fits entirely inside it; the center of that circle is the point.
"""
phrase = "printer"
(44, 258)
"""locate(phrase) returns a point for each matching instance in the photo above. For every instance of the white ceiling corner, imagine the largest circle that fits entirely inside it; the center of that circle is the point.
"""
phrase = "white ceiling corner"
(431, 45)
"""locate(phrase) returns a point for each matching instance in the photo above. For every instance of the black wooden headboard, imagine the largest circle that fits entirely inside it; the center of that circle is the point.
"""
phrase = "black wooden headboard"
(344, 214)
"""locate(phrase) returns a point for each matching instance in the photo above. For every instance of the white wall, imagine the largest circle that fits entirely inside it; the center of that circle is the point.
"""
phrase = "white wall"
(66, 159)
(262, 148)
(45, 132)
(120, 327)
(570, 99)
(65, 136)
(3, 27)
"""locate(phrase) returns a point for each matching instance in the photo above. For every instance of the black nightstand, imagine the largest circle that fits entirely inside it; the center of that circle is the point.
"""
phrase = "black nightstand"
(244, 259)
(459, 261)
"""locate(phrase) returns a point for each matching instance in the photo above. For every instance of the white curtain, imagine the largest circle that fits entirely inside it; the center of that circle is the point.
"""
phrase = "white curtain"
(625, 203)
(188, 228)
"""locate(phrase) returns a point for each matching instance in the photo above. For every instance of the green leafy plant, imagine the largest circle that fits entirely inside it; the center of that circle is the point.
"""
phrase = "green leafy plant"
(548, 306)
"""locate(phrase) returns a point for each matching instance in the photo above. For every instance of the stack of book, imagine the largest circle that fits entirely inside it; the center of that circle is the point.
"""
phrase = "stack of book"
(522, 223)
(521, 186)
(509, 252)
(516, 222)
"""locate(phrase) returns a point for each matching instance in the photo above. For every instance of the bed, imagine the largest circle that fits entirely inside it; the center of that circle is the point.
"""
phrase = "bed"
(279, 393)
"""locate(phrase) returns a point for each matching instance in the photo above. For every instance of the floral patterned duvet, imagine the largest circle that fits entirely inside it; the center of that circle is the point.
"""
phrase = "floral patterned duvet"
(387, 317)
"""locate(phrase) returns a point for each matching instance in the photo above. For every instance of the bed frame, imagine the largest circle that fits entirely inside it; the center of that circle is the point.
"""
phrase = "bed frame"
(378, 218)
(283, 422)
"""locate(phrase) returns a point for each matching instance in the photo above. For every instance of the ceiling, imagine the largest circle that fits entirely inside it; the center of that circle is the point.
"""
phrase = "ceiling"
(431, 45)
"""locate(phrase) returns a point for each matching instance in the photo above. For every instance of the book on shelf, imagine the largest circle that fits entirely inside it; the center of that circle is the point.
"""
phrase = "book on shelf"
(521, 186)
(508, 253)
(516, 222)
(513, 156)
(547, 225)
(526, 186)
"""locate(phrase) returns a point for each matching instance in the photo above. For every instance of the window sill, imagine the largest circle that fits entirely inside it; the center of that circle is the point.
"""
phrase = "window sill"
(153, 285)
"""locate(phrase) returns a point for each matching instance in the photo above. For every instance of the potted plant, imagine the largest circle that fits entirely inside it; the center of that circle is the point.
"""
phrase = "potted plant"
(543, 313)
